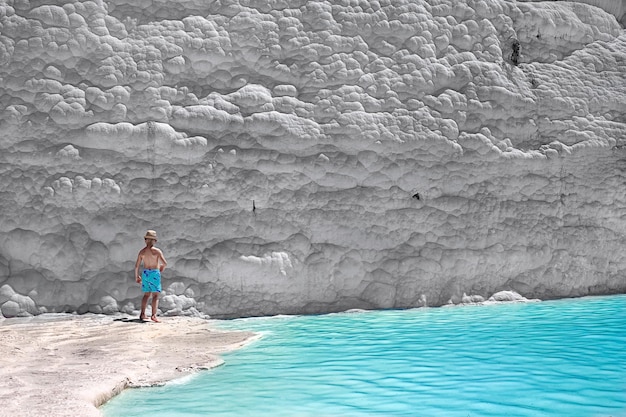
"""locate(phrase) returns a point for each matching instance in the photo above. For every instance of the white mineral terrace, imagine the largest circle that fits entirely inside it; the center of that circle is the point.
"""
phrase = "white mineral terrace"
(310, 156)
(66, 366)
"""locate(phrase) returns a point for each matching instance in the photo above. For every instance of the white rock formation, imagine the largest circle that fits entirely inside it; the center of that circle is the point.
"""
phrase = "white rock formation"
(310, 156)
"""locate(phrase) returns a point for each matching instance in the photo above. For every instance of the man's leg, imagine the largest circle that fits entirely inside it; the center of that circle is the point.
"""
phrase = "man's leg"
(144, 303)
(155, 305)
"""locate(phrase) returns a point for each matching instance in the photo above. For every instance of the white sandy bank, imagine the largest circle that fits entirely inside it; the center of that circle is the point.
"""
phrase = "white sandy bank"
(65, 365)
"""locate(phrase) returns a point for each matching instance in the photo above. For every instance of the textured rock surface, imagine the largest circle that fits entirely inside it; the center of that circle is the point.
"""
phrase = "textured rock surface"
(396, 153)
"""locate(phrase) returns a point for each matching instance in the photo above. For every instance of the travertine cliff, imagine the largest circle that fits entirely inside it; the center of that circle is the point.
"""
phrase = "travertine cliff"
(310, 156)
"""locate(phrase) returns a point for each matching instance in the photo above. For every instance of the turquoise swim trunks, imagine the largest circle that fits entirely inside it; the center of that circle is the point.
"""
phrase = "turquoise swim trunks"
(151, 280)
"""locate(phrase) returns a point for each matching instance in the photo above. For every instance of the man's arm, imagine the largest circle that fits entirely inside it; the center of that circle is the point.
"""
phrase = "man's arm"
(163, 261)
(137, 276)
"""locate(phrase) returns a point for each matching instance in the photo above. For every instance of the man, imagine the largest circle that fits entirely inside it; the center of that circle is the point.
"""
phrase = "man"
(153, 264)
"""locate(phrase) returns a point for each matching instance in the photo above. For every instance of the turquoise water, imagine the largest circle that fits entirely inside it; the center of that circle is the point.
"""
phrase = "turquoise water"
(555, 358)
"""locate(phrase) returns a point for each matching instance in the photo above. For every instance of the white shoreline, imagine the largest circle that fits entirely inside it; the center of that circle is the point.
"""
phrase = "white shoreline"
(61, 365)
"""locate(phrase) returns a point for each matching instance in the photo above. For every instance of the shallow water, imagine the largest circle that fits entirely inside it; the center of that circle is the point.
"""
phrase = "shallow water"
(556, 358)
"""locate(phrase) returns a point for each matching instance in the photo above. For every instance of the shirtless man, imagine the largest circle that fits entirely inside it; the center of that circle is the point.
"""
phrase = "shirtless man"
(153, 263)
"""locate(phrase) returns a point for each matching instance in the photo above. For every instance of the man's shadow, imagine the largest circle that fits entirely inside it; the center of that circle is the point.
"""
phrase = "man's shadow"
(128, 320)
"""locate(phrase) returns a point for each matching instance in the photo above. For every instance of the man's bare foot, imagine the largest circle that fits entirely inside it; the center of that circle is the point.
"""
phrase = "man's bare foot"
(154, 319)
(143, 318)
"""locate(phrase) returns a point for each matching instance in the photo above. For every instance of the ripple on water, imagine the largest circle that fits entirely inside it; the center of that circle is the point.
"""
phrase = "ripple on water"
(558, 358)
